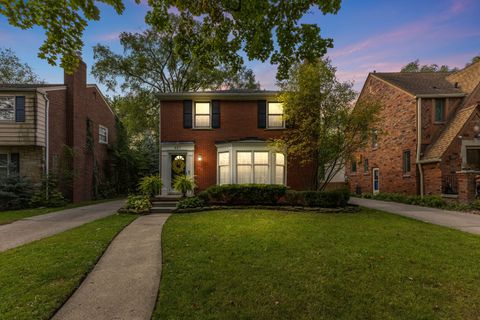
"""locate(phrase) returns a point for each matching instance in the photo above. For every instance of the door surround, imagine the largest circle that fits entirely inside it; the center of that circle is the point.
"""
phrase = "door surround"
(175, 148)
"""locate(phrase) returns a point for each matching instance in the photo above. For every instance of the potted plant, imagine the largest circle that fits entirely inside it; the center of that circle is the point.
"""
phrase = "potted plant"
(150, 186)
(184, 184)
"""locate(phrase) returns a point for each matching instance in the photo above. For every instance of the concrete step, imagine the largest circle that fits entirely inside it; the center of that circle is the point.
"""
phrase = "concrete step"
(164, 203)
(161, 209)
(167, 198)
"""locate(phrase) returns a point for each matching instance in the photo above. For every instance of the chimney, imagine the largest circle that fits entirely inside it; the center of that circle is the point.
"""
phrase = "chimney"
(76, 84)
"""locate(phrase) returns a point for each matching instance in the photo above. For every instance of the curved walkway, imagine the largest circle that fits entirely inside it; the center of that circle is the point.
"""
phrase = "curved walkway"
(463, 221)
(38, 227)
(124, 283)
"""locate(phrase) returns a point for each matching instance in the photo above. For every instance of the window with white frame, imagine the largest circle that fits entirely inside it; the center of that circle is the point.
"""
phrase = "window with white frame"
(202, 117)
(102, 134)
(224, 168)
(9, 164)
(7, 108)
(275, 115)
(260, 167)
(244, 167)
(279, 168)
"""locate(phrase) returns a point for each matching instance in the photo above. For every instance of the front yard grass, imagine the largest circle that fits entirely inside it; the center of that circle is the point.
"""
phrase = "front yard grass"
(259, 264)
(14, 215)
(37, 278)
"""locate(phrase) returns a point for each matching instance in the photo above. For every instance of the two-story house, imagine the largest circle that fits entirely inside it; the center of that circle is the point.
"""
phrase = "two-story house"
(222, 137)
(428, 139)
(47, 126)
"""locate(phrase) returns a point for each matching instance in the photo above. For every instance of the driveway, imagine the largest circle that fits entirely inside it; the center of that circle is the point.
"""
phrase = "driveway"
(463, 221)
(35, 228)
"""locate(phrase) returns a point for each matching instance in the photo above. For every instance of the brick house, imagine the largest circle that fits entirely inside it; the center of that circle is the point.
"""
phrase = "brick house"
(221, 137)
(428, 141)
(46, 127)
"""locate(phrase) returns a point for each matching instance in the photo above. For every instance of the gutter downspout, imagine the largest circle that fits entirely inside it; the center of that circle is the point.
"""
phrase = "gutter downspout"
(47, 141)
(419, 143)
(160, 141)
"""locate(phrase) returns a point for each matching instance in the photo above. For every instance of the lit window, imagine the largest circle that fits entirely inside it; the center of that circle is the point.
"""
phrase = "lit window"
(279, 168)
(202, 115)
(439, 110)
(7, 108)
(406, 162)
(224, 168)
(244, 167)
(275, 115)
(260, 167)
(102, 134)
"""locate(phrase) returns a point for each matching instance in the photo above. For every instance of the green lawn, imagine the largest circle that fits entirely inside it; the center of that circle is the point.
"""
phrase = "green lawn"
(254, 264)
(37, 278)
(14, 215)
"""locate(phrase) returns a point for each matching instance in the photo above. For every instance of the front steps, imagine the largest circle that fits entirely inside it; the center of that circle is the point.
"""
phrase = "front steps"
(164, 204)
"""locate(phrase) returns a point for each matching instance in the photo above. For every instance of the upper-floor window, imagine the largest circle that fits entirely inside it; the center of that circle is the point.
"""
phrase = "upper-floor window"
(365, 166)
(275, 115)
(406, 162)
(439, 110)
(102, 134)
(374, 139)
(7, 108)
(354, 166)
(202, 115)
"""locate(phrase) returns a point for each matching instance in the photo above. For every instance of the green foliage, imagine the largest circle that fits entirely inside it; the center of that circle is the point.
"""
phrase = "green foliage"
(322, 199)
(190, 202)
(474, 60)
(415, 66)
(427, 200)
(325, 129)
(15, 193)
(63, 22)
(48, 194)
(12, 70)
(184, 184)
(138, 203)
(244, 194)
(150, 186)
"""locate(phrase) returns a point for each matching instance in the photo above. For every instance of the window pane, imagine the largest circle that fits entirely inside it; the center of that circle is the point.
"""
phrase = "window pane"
(261, 174)
(473, 158)
(439, 109)
(7, 108)
(202, 121)
(275, 121)
(244, 174)
(224, 174)
(280, 158)
(244, 157)
(3, 172)
(3, 160)
(279, 175)
(202, 108)
(275, 108)
(223, 159)
(260, 157)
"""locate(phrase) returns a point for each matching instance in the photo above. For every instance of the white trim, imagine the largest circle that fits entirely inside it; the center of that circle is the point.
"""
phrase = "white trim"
(194, 125)
(375, 191)
(99, 135)
(175, 148)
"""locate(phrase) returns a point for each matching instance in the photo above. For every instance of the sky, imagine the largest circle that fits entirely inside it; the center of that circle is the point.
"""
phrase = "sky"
(368, 35)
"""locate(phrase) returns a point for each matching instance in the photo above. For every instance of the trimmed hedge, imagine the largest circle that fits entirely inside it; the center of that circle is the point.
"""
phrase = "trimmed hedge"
(244, 194)
(426, 201)
(322, 199)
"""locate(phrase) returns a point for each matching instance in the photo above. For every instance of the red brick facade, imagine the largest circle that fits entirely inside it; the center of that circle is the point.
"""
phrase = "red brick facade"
(238, 121)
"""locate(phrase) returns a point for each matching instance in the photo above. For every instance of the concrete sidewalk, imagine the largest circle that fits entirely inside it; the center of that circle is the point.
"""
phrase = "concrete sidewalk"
(124, 283)
(38, 227)
(463, 221)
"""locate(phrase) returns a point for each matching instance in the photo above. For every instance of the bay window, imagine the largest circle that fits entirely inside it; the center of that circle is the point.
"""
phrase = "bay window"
(224, 168)
(260, 165)
(244, 167)
(279, 168)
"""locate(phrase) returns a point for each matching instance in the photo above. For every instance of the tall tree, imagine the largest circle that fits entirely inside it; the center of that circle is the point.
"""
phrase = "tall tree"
(233, 24)
(415, 66)
(325, 128)
(13, 70)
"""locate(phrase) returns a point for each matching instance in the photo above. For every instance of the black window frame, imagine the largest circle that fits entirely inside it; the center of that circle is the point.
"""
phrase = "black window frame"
(406, 162)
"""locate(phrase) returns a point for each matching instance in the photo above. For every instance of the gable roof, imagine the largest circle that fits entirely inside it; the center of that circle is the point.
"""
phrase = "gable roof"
(220, 94)
(468, 78)
(421, 83)
(449, 134)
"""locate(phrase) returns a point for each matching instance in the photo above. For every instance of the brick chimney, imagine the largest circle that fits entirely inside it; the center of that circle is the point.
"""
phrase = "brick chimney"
(75, 101)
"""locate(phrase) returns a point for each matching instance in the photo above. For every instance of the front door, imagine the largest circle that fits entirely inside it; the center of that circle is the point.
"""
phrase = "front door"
(178, 165)
(376, 187)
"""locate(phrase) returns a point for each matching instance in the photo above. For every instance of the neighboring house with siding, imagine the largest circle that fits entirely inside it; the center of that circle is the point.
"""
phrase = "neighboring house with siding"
(42, 124)
(428, 141)
(222, 137)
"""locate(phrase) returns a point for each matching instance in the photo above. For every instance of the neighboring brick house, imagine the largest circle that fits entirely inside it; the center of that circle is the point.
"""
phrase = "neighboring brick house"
(41, 124)
(428, 139)
(221, 137)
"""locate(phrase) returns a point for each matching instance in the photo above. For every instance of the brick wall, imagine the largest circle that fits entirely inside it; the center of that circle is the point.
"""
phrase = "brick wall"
(31, 161)
(430, 129)
(238, 121)
(397, 133)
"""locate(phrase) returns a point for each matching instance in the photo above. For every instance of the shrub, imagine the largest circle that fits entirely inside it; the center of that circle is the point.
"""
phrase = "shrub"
(241, 194)
(150, 185)
(48, 195)
(190, 202)
(427, 200)
(138, 203)
(323, 199)
(15, 193)
(184, 184)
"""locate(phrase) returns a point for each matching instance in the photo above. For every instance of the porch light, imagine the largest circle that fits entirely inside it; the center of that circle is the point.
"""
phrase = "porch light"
(199, 157)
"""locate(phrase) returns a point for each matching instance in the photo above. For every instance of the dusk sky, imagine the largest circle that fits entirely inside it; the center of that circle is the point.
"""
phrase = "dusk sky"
(368, 35)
